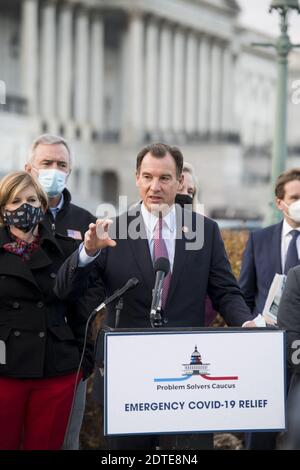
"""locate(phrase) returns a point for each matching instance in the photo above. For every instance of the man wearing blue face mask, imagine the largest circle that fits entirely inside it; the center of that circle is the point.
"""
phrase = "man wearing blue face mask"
(274, 249)
(49, 160)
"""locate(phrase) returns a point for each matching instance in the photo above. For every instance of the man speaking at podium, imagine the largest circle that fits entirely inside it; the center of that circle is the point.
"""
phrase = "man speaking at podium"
(127, 247)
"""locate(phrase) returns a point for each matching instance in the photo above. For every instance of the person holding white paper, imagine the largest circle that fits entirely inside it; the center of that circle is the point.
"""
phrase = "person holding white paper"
(270, 251)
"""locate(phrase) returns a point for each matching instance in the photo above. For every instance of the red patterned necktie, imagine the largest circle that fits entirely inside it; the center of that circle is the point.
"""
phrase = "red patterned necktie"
(160, 251)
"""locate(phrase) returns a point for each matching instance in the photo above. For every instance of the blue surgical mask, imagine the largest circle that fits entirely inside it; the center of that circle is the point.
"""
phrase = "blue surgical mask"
(52, 181)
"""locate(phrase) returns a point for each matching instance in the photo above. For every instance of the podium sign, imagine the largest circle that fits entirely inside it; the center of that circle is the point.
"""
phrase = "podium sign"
(187, 381)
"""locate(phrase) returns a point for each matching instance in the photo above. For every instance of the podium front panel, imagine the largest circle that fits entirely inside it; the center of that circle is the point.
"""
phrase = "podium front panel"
(188, 381)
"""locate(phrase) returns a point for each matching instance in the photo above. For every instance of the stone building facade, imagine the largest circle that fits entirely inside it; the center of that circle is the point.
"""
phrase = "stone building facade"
(111, 75)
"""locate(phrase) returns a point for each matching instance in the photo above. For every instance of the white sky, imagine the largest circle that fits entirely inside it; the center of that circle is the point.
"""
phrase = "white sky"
(255, 13)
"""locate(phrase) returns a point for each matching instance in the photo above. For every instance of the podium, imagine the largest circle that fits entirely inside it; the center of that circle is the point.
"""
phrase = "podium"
(193, 380)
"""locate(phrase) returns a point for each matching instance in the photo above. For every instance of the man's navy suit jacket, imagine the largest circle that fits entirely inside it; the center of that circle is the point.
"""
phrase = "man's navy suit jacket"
(261, 261)
(195, 273)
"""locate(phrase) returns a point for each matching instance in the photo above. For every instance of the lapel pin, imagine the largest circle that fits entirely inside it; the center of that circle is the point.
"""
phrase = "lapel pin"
(185, 229)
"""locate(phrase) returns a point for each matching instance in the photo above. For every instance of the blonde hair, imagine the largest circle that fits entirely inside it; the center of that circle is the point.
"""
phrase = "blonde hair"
(188, 168)
(16, 182)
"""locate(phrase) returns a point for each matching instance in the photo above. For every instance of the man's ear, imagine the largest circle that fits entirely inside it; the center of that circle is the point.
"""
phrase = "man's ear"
(279, 204)
(27, 167)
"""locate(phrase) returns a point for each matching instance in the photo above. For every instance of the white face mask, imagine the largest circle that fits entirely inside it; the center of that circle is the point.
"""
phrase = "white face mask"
(52, 181)
(294, 211)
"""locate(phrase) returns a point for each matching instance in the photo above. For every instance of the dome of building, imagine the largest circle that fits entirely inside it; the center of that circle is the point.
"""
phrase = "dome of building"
(196, 357)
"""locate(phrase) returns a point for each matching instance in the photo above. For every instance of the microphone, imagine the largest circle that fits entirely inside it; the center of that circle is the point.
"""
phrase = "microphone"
(130, 284)
(161, 269)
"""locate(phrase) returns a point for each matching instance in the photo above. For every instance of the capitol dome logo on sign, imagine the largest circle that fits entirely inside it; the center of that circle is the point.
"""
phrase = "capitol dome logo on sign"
(196, 369)
(196, 366)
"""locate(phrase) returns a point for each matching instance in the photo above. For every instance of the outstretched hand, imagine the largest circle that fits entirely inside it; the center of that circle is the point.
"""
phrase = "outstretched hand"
(97, 237)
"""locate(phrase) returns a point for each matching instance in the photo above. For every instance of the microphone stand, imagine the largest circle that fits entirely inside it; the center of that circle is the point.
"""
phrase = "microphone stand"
(156, 317)
(133, 282)
(119, 308)
(99, 343)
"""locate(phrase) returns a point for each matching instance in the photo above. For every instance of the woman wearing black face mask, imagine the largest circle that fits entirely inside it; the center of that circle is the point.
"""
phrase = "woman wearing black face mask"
(39, 353)
(187, 194)
(187, 198)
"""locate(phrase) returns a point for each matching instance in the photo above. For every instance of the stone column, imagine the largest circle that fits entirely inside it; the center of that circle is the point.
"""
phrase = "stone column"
(191, 91)
(204, 92)
(81, 76)
(227, 92)
(133, 123)
(125, 86)
(216, 88)
(179, 82)
(97, 72)
(65, 63)
(165, 80)
(48, 69)
(151, 77)
(29, 53)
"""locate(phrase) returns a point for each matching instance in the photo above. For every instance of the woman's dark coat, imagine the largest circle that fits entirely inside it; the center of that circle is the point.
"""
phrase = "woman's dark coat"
(43, 335)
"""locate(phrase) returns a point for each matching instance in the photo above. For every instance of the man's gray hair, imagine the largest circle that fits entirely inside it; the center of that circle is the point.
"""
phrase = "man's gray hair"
(47, 139)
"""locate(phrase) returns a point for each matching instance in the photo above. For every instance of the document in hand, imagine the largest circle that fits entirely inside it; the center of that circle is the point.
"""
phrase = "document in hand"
(270, 310)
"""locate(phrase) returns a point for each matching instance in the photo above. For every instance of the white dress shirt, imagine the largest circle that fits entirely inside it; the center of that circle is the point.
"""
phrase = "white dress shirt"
(168, 231)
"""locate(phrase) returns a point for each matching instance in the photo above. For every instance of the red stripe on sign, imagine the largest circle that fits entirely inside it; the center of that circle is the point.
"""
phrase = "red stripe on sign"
(208, 377)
